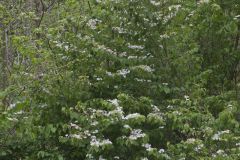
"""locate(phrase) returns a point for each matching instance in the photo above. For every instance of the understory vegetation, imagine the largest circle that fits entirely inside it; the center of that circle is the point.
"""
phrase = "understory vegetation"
(119, 79)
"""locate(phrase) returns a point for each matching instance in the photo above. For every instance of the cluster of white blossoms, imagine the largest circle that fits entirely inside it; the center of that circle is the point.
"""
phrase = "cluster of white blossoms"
(114, 102)
(217, 136)
(191, 140)
(123, 72)
(145, 68)
(203, 1)
(132, 116)
(98, 143)
(73, 125)
(186, 98)
(174, 9)
(142, 80)
(148, 147)
(62, 45)
(92, 23)
(106, 49)
(119, 30)
(164, 36)
(138, 47)
(220, 152)
(153, 2)
(236, 17)
(110, 74)
(136, 133)
(12, 119)
(199, 147)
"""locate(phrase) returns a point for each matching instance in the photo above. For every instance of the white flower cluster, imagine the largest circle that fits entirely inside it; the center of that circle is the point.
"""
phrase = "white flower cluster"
(138, 47)
(132, 116)
(173, 12)
(142, 80)
(199, 147)
(145, 68)
(123, 72)
(92, 23)
(119, 30)
(204, 1)
(186, 98)
(148, 147)
(155, 108)
(136, 133)
(164, 36)
(108, 50)
(191, 140)
(72, 125)
(110, 74)
(77, 136)
(217, 136)
(114, 102)
(153, 2)
(64, 45)
(174, 7)
(161, 151)
(98, 143)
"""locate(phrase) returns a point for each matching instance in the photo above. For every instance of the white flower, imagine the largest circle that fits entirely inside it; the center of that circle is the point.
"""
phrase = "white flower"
(66, 47)
(109, 74)
(19, 112)
(99, 79)
(119, 30)
(12, 119)
(94, 123)
(161, 151)
(164, 36)
(199, 147)
(136, 133)
(101, 158)
(176, 7)
(132, 57)
(92, 23)
(153, 2)
(114, 102)
(217, 136)
(147, 145)
(123, 72)
(127, 126)
(170, 107)
(186, 98)
(97, 143)
(74, 126)
(145, 68)
(90, 156)
(220, 152)
(204, 1)
(135, 47)
(77, 136)
(131, 116)
(191, 140)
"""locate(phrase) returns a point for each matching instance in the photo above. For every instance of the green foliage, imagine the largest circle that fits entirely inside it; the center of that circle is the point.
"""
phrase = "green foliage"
(139, 79)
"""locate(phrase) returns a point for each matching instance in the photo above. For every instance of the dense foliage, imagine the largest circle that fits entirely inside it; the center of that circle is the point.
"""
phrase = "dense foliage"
(120, 79)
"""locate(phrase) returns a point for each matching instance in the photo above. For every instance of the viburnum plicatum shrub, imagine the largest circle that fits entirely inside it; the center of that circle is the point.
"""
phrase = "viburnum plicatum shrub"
(128, 79)
(130, 128)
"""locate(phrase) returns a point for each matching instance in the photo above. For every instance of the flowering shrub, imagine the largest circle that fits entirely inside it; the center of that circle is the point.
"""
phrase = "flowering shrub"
(123, 79)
